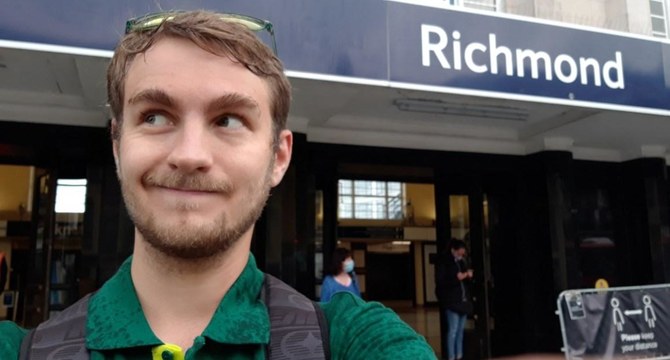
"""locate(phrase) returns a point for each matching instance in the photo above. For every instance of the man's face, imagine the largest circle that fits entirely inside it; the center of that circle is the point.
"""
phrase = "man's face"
(195, 156)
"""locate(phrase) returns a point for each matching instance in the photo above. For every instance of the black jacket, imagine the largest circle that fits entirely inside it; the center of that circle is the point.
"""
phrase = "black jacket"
(452, 293)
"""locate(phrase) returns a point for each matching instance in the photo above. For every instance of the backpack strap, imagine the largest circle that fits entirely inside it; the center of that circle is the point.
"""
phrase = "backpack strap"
(61, 337)
(298, 327)
(24, 353)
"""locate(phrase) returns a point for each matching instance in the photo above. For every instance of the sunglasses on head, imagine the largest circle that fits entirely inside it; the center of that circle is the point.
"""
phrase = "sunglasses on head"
(152, 21)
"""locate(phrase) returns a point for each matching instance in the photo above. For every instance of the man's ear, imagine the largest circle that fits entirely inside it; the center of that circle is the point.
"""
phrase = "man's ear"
(282, 156)
(114, 133)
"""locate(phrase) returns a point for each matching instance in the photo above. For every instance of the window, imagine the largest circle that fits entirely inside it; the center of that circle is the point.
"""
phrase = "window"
(71, 196)
(659, 16)
(491, 5)
(364, 199)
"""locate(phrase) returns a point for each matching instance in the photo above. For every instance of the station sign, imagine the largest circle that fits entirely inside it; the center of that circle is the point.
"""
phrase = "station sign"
(412, 44)
(499, 54)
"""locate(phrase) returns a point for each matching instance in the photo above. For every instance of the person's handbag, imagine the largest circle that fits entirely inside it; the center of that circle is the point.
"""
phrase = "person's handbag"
(462, 307)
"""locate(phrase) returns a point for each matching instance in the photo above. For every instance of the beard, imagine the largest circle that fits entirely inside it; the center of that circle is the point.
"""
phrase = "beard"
(195, 241)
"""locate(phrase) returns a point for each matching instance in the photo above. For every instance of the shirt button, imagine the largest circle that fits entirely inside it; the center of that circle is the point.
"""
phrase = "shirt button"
(167, 352)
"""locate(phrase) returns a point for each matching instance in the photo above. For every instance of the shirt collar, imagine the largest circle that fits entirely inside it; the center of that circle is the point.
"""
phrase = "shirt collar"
(242, 317)
(115, 318)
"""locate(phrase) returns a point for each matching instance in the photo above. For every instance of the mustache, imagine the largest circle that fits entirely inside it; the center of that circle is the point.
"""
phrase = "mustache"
(187, 182)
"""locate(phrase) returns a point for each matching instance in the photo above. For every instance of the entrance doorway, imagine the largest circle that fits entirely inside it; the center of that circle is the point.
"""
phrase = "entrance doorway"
(42, 218)
(482, 210)
(55, 258)
(389, 226)
(389, 277)
(468, 219)
(15, 228)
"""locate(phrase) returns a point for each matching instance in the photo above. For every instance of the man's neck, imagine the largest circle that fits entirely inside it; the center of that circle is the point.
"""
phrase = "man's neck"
(179, 296)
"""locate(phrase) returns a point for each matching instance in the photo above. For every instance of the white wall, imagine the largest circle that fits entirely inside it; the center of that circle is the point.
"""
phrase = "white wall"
(619, 15)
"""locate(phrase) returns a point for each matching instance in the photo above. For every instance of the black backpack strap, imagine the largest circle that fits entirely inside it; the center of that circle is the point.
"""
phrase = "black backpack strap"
(298, 327)
(62, 337)
(325, 332)
(25, 345)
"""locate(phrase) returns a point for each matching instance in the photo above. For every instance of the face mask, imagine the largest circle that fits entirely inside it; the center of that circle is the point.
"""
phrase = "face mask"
(348, 266)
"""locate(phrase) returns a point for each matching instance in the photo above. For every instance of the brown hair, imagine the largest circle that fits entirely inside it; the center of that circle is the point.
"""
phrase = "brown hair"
(209, 32)
(339, 255)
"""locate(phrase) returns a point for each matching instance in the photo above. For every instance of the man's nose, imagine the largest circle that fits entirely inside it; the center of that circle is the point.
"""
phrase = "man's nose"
(192, 148)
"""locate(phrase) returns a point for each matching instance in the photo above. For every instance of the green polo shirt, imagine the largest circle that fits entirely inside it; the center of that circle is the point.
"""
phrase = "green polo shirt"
(240, 328)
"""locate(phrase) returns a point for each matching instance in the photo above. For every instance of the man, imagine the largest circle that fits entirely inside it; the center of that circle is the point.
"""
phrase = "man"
(199, 135)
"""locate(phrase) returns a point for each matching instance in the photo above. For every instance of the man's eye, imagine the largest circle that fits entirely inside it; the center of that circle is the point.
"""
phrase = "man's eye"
(229, 121)
(156, 119)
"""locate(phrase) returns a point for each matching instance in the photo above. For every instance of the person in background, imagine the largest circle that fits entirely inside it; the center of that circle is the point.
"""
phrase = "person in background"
(340, 276)
(199, 107)
(452, 290)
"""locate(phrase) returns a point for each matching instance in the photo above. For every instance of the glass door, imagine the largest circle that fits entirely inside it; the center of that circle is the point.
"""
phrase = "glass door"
(66, 249)
(35, 299)
(468, 222)
(55, 247)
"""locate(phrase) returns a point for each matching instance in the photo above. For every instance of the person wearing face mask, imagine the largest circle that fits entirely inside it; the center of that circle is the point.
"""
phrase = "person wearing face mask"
(340, 277)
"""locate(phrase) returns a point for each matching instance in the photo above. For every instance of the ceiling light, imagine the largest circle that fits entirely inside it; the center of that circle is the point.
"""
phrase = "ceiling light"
(472, 110)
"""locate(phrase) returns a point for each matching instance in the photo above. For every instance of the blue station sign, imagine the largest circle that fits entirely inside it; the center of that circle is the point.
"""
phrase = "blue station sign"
(418, 44)
(458, 49)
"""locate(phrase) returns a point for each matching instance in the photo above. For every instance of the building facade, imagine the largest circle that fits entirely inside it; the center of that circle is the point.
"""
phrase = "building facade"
(536, 131)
